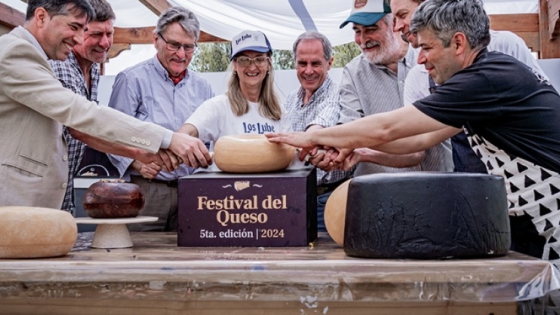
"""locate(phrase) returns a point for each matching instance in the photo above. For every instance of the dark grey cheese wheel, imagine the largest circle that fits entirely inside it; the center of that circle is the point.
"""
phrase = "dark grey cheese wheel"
(427, 216)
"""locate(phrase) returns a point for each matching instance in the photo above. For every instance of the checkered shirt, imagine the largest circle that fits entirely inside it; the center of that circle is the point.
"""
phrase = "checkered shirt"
(70, 75)
(323, 109)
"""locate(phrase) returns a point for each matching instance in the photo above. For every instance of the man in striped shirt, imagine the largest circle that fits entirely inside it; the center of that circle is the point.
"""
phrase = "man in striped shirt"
(373, 83)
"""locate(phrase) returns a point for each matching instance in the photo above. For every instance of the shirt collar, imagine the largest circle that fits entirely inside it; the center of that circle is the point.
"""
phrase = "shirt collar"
(325, 86)
(165, 74)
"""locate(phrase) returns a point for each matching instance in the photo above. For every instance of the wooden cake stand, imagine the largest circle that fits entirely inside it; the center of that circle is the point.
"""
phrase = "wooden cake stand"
(113, 233)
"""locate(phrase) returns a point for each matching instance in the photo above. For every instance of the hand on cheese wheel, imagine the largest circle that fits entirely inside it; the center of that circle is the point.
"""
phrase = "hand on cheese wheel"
(250, 153)
(32, 232)
(335, 212)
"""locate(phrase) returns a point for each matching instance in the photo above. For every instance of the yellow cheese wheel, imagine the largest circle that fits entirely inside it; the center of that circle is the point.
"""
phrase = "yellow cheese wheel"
(335, 212)
(249, 153)
(32, 232)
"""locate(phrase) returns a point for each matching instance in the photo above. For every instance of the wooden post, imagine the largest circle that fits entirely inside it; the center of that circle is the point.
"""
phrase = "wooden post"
(550, 45)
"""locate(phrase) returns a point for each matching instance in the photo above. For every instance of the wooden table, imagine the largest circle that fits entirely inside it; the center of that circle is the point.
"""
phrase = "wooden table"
(157, 277)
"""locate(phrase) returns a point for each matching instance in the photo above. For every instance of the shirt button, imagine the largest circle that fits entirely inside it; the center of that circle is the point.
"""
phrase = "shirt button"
(64, 185)
(65, 158)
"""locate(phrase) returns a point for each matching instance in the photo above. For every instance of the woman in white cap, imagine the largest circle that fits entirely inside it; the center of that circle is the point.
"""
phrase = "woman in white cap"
(250, 104)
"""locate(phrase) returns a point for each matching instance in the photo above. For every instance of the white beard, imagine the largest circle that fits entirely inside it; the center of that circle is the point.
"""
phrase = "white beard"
(387, 51)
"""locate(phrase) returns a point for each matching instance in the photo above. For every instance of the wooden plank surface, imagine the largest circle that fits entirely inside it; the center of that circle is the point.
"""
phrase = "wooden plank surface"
(155, 268)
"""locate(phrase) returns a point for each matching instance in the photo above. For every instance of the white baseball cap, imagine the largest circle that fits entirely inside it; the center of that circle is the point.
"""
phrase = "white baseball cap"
(249, 40)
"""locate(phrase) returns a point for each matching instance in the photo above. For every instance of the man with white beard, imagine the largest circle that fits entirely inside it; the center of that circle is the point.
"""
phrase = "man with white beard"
(373, 82)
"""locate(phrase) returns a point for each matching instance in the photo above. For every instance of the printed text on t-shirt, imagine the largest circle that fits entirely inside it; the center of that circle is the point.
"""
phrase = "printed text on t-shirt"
(258, 128)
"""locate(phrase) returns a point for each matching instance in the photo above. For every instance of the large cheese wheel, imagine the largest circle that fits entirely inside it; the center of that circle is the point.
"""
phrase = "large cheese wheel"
(335, 212)
(249, 153)
(427, 215)
(30, 232)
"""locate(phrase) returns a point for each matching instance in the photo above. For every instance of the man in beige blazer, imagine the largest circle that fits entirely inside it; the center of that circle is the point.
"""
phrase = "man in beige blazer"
(34, 106)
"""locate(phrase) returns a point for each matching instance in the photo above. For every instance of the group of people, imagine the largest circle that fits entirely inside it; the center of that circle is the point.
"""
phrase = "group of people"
(427, 93)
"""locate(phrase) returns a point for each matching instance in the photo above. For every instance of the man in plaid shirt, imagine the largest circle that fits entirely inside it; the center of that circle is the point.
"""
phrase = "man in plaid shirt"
(315, 104)
(80, 73)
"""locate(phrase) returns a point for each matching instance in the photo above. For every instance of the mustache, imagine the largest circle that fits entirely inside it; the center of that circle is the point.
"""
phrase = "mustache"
(370, 44)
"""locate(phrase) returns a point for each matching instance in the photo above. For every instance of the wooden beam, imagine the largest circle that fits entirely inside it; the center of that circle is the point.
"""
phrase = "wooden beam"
(516, 23)
(553, 18)
(156, 6)
(143, 35)
(116, 49)
(10, 17)
(134, 35)
(525, 26)
(205, 38)
(532, 40)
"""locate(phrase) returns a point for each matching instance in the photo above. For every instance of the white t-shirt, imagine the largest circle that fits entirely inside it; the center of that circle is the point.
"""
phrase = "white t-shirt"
(417, 86)
(214, 118)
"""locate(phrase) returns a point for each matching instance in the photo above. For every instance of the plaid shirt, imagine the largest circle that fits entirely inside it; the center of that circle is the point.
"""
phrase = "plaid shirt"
(70, 75)
(323, 109)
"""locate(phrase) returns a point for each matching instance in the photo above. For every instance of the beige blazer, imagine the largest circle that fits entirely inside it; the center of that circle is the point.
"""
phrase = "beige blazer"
(33, 107)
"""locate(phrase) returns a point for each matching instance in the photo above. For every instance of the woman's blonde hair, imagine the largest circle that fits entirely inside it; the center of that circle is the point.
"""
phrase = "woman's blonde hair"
(268, 100)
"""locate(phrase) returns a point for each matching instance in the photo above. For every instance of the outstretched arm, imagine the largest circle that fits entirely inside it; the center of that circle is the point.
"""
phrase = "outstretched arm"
(370, 131)
(418, 142)
(161, 158)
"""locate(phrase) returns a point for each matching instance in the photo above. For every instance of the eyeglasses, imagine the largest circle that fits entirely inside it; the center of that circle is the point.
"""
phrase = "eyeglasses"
(174, 46)
(245, 61)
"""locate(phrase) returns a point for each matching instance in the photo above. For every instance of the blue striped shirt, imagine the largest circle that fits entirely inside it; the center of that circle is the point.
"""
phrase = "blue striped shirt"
(146, 92)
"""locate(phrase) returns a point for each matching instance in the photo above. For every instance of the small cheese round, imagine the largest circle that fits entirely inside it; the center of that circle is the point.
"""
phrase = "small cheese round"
(335, 212)
(33, 232)
(250, 153)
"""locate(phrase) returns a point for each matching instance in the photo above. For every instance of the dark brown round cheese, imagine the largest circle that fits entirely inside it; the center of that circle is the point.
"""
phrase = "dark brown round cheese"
(427, 215)
(106, 199)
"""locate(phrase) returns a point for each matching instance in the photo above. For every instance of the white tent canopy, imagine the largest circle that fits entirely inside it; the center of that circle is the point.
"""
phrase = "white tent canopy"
(281, 20)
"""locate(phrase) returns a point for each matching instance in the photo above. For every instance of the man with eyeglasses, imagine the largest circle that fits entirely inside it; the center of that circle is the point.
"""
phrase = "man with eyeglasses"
(161, 90)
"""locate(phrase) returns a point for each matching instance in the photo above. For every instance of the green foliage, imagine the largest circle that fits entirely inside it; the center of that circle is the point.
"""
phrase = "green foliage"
(214, 57)
(344, 53)
(283, 59)
(211, 57)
